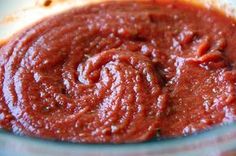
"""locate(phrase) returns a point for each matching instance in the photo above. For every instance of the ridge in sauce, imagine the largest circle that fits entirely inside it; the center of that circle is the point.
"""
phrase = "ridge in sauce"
(120, 72)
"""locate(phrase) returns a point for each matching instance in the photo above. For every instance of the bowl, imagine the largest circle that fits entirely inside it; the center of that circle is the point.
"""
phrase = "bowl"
(219, 141)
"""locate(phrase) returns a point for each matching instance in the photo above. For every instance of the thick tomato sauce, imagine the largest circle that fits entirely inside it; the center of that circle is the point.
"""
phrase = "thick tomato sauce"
(120, 72)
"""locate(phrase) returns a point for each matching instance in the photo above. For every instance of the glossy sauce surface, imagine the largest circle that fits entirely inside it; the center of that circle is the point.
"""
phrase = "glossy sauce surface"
(120, 72)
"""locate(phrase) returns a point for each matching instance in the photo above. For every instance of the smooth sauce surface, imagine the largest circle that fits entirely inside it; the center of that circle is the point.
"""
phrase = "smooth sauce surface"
(120, 72)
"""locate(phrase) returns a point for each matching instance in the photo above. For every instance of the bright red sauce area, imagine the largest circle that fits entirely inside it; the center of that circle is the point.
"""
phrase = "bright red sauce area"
(120, 72)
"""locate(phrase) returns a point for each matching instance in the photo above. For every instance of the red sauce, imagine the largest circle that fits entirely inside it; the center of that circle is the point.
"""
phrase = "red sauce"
(120, 72)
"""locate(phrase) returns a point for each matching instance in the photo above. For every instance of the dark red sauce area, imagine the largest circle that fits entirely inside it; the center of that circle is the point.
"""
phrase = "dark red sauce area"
(120, 72)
